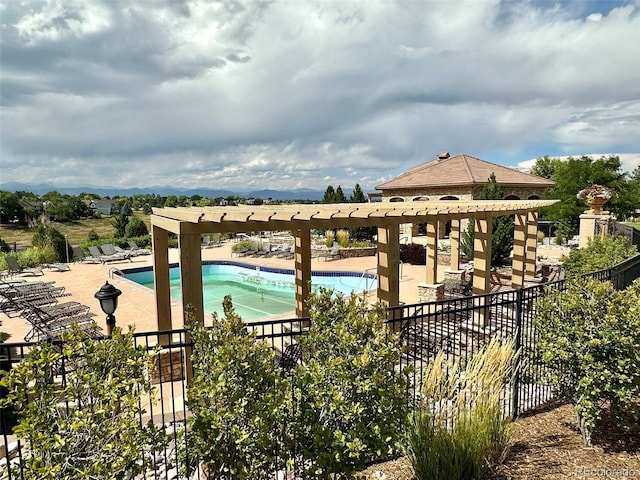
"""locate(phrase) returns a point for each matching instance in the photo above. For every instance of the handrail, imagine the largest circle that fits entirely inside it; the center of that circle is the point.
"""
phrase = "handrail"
(365, 277)
(114, 270)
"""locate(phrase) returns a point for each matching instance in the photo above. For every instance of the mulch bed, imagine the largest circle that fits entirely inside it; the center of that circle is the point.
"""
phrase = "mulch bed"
(547, 445)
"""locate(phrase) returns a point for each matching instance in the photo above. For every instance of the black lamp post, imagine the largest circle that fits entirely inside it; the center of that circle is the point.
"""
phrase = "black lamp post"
(108, 297)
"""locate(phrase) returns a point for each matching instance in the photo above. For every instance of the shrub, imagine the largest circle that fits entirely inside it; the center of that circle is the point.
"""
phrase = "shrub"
(590, 340)
(92, 236)
(349, 404)
(4, 247)
(88, 426)
(136, 228)
(343, 238)
(413, 253)
(236, 399)
(31, 257)
(50, 237)
(329, 238)
(458, 429)
(243, 245)
(598, 254)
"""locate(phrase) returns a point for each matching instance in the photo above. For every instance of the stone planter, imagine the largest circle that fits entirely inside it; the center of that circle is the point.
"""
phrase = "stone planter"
(596, 204)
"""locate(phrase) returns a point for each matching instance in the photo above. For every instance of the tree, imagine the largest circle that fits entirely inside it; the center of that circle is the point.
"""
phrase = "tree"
(501, 227)
(10, 208)
(358, 196)
(45, 236)
(329, 195)
(120, 222)
(339, 196)
(126, 209)
(136, 228)
(575, 174)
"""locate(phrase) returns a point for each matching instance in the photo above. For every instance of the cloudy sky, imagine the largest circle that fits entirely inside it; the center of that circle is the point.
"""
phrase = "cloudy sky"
(302, 94)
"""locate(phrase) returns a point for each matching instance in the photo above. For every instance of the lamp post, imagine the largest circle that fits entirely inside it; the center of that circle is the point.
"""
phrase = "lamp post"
(108, 297)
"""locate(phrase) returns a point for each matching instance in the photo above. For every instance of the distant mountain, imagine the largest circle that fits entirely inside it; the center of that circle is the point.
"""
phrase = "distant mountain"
(41, 189)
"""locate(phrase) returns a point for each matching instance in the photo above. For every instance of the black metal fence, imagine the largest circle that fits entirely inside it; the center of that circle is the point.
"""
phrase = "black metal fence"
(456, 327)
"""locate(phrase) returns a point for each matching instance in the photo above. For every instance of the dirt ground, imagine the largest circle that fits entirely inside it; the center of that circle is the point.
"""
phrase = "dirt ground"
(548, 445)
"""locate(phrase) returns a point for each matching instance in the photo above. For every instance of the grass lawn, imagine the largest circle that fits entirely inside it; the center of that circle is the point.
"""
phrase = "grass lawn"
(76, 231)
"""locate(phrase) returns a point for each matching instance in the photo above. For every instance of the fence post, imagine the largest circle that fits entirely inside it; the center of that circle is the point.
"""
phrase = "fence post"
(517, 343)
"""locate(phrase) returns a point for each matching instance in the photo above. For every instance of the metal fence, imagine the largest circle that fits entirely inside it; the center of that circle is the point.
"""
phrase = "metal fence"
(457, 327)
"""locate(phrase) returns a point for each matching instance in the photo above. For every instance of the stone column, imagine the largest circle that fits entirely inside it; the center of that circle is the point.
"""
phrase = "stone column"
(589, 226)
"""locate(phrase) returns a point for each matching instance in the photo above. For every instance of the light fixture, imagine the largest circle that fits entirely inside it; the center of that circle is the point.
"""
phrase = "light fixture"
(108, 297)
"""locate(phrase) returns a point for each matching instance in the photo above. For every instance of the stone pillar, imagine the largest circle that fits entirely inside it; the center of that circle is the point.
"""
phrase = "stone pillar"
(430, 292)
(589, 226)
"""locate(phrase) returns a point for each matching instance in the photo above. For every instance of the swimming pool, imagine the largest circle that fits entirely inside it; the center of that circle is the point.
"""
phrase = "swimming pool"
(257, 292)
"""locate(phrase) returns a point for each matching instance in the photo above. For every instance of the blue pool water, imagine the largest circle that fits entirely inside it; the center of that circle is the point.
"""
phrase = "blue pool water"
(257, 292)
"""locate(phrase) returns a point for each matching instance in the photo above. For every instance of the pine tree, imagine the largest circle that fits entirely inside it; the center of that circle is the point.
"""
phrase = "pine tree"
(502, 227)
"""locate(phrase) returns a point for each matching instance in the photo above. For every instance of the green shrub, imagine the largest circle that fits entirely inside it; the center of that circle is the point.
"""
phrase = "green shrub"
(4, 247)
(45, 236)
(136, 228)
(349, 404)
(88, 426)
(329, 238)
(589, 337)
(237, 399)
(342, 237)
(599, 254)
(243, 245)
(459, 430)
(92, 236)
(31, 257)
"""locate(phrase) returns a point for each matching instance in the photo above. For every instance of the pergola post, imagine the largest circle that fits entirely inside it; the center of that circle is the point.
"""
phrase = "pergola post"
(455, 244)
(532, 244)
(519, 249)
(388, 265)
(482, 268)
(160, 242)
(303, 270)
(191, 277)
(432, 252)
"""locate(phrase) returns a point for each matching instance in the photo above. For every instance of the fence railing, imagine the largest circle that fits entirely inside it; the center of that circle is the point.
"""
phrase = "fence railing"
(456, 327)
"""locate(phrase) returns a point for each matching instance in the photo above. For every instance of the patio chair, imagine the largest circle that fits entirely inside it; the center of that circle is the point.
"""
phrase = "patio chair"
(104, 258)
(135, 250)
(291, 356)
(331, 254)
(58, 267)
(80, 256)
(16, 269)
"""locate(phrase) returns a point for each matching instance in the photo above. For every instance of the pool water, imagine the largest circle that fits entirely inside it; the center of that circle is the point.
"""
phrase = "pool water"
(256, 292)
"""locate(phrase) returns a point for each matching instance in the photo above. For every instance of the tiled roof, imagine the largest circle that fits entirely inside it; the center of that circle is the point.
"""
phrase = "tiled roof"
(461, 170)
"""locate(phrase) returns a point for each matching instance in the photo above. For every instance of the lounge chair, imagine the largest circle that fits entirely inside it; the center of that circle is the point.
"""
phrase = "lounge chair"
(16, 269)
(331, 254)
(104, 258)
(135, 250)
(82, 258)
(206, 241)
(58, 267)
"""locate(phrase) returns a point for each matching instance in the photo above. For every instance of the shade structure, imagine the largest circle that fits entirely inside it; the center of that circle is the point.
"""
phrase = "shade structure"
(190, 222)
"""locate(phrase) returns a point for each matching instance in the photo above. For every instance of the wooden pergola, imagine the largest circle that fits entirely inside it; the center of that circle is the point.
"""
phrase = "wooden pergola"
(190, 223)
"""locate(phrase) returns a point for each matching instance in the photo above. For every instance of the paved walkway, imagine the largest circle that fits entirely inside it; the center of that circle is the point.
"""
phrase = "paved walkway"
(136, 305)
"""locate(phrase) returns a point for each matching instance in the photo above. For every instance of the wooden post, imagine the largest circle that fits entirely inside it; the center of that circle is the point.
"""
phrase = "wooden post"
(388, 265)
(482, 269)
(432, 252)
(519, 249)
(160, 241)
(455, 244)
(303, 270)
(532, 244)
(191, 276)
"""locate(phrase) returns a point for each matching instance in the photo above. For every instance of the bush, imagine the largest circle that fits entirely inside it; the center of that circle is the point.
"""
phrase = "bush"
(32, 257)
(50, 237)
(350, 405)
(136, 228)
(329, 238)
(88, 426)
(343, 238)
(413, 253)
(236, 399)
(92, 236)
(599, 254)
(243, 245)
(590, 340)
(4, 247)
(459, 429)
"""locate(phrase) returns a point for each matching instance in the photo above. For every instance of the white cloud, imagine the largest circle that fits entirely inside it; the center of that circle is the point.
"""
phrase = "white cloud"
(301, 94)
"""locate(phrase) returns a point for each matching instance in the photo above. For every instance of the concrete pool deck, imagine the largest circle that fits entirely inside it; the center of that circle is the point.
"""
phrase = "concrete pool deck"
(136, 305)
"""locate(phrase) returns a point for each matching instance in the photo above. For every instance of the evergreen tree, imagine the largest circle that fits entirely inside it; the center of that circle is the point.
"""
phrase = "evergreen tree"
(358, 195)
(339, 196)
(360, 233)
(502, 227)
(329, 195)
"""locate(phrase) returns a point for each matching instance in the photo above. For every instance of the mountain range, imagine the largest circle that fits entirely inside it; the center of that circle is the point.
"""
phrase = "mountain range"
(40, 189)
